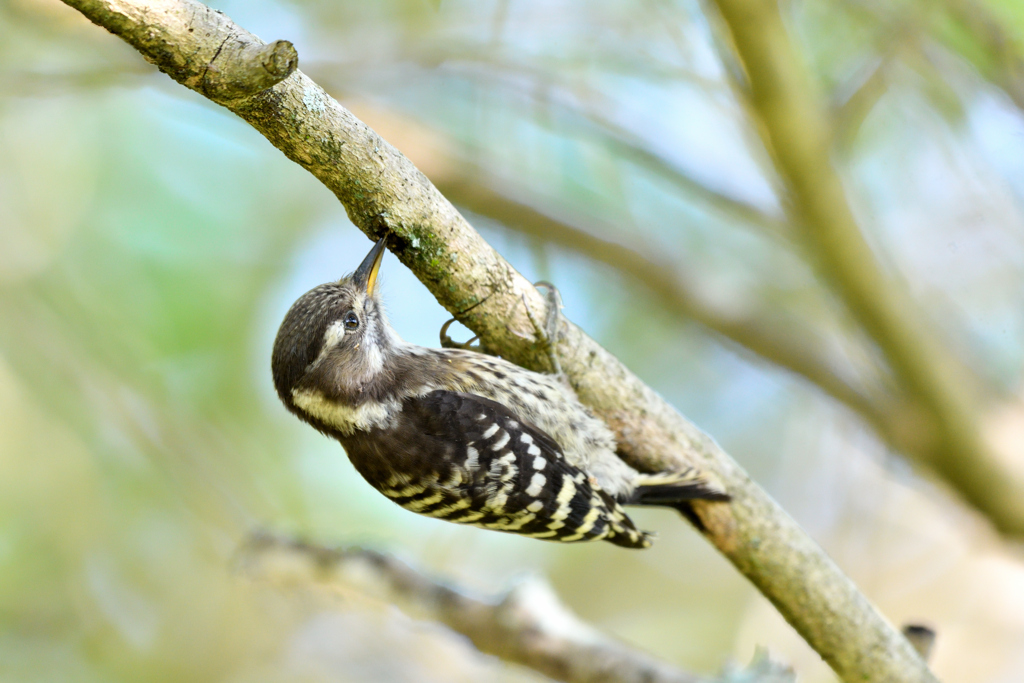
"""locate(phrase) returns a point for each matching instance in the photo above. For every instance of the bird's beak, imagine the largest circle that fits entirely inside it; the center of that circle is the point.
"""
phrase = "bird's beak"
(366, 273)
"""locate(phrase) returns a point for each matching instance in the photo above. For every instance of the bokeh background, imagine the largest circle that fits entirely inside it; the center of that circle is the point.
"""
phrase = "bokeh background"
(150, 243)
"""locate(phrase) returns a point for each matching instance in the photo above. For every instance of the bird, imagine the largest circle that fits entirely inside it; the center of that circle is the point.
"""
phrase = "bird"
(461, 435)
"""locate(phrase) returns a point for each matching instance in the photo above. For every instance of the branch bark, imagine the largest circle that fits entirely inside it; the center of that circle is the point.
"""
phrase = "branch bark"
(384, 193)
(528, 625)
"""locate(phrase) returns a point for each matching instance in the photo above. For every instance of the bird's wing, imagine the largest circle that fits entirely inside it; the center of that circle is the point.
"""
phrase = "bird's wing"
(470, 460)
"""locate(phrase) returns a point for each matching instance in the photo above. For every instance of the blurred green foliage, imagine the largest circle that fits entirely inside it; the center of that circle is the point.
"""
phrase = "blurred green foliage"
(150, 244)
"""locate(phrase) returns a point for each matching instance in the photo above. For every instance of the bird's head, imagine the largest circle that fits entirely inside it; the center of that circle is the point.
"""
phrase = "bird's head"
(335, 339)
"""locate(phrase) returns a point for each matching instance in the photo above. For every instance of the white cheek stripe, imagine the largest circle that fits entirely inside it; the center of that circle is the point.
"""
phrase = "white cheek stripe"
(371, 348)
(332, 337)
(372, 353)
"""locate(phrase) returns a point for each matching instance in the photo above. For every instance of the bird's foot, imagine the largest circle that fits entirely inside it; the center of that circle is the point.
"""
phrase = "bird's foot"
(547, 334)
(449, 343)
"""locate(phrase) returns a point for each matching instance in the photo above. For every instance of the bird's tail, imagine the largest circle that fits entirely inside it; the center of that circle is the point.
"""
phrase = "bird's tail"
(676, 490)
(667, 488)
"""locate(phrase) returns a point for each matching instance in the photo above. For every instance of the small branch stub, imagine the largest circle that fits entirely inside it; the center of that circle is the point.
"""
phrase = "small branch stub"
(243, 67)
(195, 45)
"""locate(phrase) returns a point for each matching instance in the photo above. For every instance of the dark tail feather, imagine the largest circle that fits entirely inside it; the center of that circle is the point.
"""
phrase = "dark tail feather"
(677, 496)
(667, 494)
(686, 510)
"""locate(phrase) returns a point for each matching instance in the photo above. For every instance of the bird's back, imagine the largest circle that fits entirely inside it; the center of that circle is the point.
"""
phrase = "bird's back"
(541, 400)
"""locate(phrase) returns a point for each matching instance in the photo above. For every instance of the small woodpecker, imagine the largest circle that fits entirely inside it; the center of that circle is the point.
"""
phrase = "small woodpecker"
(459, 435)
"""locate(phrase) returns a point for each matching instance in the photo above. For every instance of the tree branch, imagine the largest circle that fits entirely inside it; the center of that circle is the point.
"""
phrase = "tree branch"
(384, 193)
(857, 100)
(794, 128)
(527, 626)
(1006, 69)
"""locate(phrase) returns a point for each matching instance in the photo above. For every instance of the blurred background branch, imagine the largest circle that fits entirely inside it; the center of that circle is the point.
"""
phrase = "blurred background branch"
(528, 625)
(794, 128)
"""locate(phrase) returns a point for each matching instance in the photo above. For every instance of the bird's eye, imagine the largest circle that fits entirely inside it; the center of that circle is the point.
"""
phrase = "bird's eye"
(351, 321)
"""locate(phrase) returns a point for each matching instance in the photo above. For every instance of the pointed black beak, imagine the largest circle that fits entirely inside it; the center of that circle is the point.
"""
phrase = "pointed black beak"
(366, 274)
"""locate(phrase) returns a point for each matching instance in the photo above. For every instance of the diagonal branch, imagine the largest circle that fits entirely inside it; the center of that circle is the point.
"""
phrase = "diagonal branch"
(384, 193)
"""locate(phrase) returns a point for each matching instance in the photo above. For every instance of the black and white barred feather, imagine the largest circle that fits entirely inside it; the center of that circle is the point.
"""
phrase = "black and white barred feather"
(470, 460)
